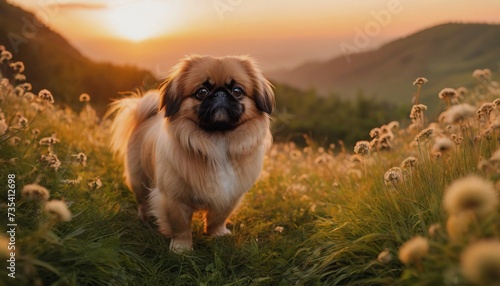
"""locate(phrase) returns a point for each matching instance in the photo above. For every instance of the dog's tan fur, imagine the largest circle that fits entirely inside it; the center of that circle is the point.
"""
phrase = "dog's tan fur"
(173, 166)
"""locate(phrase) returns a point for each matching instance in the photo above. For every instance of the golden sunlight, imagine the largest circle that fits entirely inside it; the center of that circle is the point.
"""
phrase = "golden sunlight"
(141, 20)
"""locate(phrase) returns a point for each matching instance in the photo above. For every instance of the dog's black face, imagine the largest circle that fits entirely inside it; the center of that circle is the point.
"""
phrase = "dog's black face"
(221, 107)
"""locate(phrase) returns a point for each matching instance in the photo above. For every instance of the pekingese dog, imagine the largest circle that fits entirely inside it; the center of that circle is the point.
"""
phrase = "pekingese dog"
(196, 144)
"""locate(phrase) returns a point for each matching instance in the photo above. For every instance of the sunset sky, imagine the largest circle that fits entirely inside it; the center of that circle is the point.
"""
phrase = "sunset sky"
(283, 33)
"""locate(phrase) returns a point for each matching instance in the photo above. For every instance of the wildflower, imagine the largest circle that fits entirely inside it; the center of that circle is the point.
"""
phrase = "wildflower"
(409, 162)
(84, 97)
(457, 139)
(29, 96)
(17, 67)
(484, 110)
(23, 121)
(434, 228)
(496, 103)
(424, 134)
(480, 262)
(447, 94)
(48, 141)
(5, 56)
(375, 133)
(414, 250)
(384, 256)
(462, 91)
(420, 81)
(35, 132)
(394, 176)
(393, 126)
(80, 158)
(46, 95)
(72, 181)
(495, 157)
(20, 77)
(51, 160)
(384, 143)
(19, 91)
(96, 184)
(442, 144)
(26, 86)
(323, 159)
(362, 148)
(471, 193)
(3, 127)
(279, 229)
(35, 192)
(59, 210)
(14, 141)
(321, 150)
(459, 113)
(356, 158)
(417, 111)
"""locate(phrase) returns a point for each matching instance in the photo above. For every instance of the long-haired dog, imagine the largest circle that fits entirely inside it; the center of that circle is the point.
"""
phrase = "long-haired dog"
(198, 143)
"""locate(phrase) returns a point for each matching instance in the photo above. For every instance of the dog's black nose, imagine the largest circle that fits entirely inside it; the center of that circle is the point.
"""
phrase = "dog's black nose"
(220, 94)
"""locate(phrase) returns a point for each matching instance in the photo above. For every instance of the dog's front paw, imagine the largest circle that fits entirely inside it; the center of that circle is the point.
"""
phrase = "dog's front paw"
(219, 231)
(179, 246)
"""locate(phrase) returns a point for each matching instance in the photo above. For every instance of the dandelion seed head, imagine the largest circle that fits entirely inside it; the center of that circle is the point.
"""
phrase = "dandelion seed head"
(480, 262)
(46, 95)
(14, 141)
(5, 56)
(420, 81)
(414, 250)
(362, 148)
(471, 193)
(409, 162)
(459, 113)
(23, 121)
(84, 97)
(279, 229)
(417, 113)
(96, 184)
(393, 176)
(424, 134)
(29, 96)
(375, 132)
(442, 145)
(447, 94)
(384, 256)
(17, 67)
(35, 192)
(48, 141)
(80, 158)
(58, 210)
(393, 126)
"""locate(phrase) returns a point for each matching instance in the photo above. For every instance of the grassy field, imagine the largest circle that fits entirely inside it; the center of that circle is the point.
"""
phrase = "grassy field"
(416, 205)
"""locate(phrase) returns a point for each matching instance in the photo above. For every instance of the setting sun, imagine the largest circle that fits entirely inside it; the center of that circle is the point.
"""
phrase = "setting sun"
(141, 20)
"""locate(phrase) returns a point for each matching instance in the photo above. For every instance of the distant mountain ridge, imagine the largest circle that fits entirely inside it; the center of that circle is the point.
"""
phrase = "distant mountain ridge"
(52, 62)
(446, 54)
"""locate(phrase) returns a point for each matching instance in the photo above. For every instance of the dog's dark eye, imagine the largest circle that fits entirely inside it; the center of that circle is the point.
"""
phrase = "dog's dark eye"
(202, 93)
(237, 92)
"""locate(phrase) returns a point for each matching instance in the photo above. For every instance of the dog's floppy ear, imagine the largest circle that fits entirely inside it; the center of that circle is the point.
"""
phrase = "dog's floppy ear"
(264, 95)
(171, 96)
(172, 88)
(263, 90)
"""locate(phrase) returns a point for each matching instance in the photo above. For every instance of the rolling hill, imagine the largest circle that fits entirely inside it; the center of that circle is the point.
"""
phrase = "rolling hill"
(53, 63)
(446, 55)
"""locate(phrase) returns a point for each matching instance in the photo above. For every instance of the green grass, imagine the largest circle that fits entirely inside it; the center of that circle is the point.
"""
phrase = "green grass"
(337, 214)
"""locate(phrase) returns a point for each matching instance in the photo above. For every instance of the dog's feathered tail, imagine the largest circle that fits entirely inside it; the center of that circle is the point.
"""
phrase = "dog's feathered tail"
(130, 113)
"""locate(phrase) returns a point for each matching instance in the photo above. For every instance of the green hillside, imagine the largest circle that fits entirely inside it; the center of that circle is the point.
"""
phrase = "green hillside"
(51, 62)
(445, 54)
